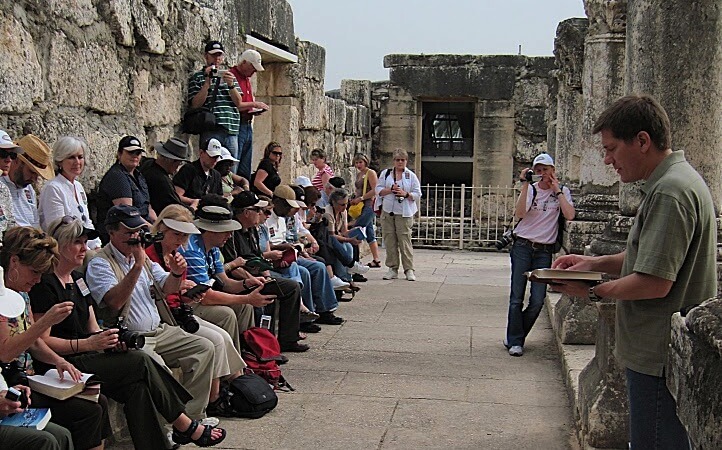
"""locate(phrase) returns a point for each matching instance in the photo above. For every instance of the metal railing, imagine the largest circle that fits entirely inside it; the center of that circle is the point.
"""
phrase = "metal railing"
(461, 216)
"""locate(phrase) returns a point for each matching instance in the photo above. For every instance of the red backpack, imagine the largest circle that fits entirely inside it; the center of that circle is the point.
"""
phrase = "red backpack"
(261, 352)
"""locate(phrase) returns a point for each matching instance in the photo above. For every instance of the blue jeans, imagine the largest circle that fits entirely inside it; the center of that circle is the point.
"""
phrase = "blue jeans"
(523, 259)
(653, 421)
(324, 298)
(229, 141)
(244, 150)
(303, 277)
(339, 268)
(366, 220)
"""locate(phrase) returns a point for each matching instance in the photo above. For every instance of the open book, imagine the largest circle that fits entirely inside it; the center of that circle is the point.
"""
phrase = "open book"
(548, 275)
(51, 385)
(35, 418)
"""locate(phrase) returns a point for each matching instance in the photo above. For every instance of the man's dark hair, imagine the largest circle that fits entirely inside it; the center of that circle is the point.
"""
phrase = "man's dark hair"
(634, 113)
(312, 194)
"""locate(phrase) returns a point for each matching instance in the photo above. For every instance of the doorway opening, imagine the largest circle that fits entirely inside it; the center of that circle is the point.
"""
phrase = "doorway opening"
(447, 146)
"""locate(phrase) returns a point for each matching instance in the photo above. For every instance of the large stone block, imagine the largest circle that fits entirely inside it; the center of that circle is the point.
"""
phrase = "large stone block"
(531, 93)
(20, 82)
(532, 122)
(488, 83)
(313, 109)
(271, 19)
(356, 92)
(76, 78)
(313, 59)
(147, 28)
(81, 12)
(351, 127)
(120, 20)
(576, 320)
(494, 108)
(155, 103)
(364, 120)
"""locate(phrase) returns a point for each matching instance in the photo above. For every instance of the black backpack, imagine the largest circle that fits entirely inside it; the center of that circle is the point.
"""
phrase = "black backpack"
(250, 396)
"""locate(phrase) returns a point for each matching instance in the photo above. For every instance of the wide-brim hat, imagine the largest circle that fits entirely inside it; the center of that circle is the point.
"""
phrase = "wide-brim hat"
(285, 192)
(173, 148)
(37, 155)
(180, 226)
(216, 219)
(12, 304)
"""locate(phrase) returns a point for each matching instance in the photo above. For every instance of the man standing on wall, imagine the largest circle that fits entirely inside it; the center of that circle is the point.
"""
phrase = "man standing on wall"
(224, 103)
(249, 64)
(669, 263)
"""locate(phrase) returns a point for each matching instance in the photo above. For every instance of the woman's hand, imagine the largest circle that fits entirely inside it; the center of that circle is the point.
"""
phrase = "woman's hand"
(104, 340)
(554, 183)
(8, 407)
(64, 366)
(356, 200)
(58, 313)
(176, 263)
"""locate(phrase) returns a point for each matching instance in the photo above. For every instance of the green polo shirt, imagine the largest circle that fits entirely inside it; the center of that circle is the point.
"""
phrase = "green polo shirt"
(674, 238)
(226, 112)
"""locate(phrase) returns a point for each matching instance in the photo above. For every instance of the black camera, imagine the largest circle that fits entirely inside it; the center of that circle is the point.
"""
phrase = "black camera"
(15, 395)
(131, 339)
(14, 373)
(146, 238)
(504, 240)
(531, 178)
(183, 314)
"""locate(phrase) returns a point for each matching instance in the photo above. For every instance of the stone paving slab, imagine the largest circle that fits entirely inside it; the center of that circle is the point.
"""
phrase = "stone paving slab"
(420, 365)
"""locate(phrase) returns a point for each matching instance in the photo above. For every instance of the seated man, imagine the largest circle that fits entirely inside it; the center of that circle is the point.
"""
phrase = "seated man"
(34, 161)
(204, 261)
(199, 178)
(332, 184)
(121, 285)
(158, 172)
(285, 205)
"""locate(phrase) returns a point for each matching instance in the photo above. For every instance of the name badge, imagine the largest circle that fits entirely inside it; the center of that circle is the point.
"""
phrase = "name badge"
(407, 176)
(271, 231)
(29, 196)
(82, 286)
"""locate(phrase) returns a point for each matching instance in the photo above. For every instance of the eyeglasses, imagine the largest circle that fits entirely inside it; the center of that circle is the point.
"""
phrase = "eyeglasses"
(4, 154)
(134, 152)
(66, 220)
(277, 153)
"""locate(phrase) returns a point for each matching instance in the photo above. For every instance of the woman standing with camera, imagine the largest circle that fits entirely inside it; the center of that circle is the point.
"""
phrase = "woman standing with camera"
(25, 255)
(539, 205)
(130, 377)
(398, 189)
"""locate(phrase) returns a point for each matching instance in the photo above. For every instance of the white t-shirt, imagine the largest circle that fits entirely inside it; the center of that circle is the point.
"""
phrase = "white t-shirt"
(540, 222)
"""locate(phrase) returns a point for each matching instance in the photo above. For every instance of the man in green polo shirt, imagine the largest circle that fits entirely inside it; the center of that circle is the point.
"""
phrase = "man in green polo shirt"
(669, 262)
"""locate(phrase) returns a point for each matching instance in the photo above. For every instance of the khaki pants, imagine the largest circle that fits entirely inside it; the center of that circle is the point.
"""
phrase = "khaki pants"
(226, 359)
(397, 239)
(235, 319)
(172, 347)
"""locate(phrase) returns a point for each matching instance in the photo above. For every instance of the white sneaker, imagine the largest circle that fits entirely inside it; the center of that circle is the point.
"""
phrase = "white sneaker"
(410, 275)
(392, 274)
(338, 284)
(516, 350)
(358, 268)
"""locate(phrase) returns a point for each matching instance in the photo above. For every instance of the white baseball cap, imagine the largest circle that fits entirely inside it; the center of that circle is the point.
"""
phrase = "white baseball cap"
(303, 181)
(543, 159)
(214, 148)
(226, 155)
(12, 304)
(254, 58)
(7, 143)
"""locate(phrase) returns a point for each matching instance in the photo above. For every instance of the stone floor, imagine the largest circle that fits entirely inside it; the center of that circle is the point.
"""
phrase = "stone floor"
(421, 365)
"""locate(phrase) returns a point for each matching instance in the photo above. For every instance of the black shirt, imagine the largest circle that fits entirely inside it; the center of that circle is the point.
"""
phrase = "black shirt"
(272, 180)
(243, 243)
(160, 184)
(119, 183)
(195, 182)
(49, 292)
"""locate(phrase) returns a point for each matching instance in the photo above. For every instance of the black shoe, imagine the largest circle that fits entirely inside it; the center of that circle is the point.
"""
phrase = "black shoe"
(358, 278)
(309, 327)
(294, 347)
(328, 318)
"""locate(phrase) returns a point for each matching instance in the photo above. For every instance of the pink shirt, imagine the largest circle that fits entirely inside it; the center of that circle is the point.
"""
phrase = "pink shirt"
(317, 182)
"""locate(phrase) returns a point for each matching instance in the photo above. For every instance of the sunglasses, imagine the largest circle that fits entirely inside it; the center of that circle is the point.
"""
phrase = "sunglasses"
(277, 153)
(4, 154)
(267, 212)
(83, 217)
(134, 152)
(66, 220)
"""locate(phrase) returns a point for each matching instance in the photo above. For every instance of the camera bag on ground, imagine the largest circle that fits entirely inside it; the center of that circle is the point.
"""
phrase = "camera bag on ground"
(262, 353)
(250, 396)
(198, 120)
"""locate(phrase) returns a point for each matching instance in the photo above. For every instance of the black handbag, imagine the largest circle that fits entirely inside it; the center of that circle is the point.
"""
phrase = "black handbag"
(199, 120)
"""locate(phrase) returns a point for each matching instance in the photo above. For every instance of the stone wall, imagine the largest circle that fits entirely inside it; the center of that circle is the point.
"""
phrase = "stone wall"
(510, 94)
(101, 70)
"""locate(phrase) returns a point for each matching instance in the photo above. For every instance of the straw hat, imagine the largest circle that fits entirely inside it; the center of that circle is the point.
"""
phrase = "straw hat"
(37, 155)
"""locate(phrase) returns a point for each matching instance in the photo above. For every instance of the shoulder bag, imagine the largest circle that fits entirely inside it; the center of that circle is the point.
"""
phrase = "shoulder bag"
(199, 120)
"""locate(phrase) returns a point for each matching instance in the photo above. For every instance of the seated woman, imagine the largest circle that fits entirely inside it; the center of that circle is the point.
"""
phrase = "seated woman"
(25, 255)
(130, 377)
(176, 224)
(266, 178)
(64, 195)
(231, 183)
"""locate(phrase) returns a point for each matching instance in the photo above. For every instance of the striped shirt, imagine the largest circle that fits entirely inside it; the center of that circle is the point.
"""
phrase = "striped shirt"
(317, 182)
(202, 264)
(226, 112)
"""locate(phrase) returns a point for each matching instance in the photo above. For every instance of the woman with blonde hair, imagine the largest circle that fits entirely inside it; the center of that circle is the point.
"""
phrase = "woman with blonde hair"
(365, 185)
(176, 224)
(26, 254)
(64, 195)
(398, 190)
(130, 377)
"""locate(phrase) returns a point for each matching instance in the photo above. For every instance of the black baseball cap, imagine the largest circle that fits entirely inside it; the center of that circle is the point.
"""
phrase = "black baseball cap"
(214, 47)
(130, 143)
(127, 215)
(337, 182)
(246, 199)
(300, 195)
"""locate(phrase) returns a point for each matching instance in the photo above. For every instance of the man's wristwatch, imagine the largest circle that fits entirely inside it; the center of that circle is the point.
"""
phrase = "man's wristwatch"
(592, 296)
